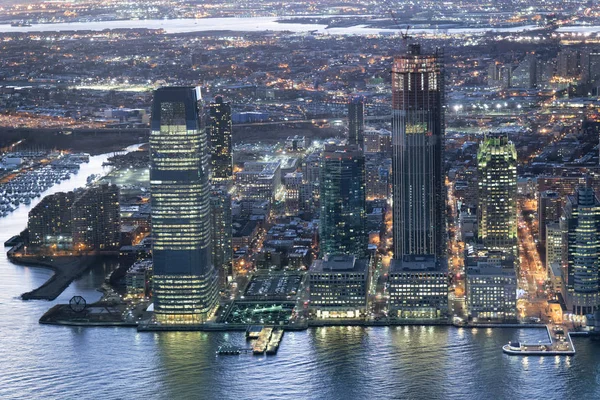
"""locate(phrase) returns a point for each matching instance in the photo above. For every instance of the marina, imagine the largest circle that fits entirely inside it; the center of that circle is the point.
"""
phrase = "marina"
(28, 183)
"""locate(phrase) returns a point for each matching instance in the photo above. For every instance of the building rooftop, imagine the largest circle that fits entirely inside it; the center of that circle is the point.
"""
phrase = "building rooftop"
(339, 263)
(418, 263)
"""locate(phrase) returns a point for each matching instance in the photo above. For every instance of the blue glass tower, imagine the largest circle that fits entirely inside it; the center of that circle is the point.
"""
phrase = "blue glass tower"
(185, 281)
(343, 214)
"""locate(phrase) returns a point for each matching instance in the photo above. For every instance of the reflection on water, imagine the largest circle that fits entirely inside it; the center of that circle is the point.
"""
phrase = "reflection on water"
(40, 361)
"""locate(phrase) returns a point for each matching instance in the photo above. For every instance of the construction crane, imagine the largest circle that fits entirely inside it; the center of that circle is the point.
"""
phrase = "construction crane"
(405, 35)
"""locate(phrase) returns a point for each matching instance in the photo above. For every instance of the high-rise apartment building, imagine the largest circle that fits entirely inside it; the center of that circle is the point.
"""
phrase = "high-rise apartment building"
(219, 137)
(356, 121)
(497, 180)
(49, 221)
(221, 223)
(568, 63)
(343, 213)
(524, 75)
(185, 280)
(582, 219)
(417, 145)
(95, 216)
(593, 67)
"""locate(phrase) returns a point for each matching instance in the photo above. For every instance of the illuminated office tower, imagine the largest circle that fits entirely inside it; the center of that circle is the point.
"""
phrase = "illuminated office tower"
(185, 281)
(356, 121)
(497, 180)
(219, 136)
(343, 214)
(582, 219)
(417, 151)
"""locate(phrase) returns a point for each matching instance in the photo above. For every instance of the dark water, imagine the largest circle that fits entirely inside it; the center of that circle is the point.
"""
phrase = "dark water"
(52, 362)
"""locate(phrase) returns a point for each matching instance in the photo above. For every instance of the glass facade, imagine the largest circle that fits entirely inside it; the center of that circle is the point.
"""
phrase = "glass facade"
(185, 281)
(343, 213)
(582, 215)
(497, 180)
(417, 152)
(356, 121)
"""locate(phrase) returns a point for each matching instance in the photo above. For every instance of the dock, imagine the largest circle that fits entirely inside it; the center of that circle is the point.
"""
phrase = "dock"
(253, 331)
(274, 342)
(560, 345)
(232, 350)
(260, 346)
(66, 270)
(13, 241)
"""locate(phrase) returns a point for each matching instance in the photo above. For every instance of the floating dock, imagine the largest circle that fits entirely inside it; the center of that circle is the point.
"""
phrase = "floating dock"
(273, 345)
(232, 350)
(260, 346)
(560, 345)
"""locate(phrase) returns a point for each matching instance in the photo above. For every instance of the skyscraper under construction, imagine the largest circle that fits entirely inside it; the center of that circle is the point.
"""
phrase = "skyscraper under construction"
(418, 139)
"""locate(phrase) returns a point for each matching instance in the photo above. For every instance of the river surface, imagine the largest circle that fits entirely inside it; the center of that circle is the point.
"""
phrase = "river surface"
(251, 24)
(54, 362)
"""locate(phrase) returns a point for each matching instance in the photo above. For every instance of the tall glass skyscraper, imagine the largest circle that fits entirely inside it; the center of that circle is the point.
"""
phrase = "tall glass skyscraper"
(356, 121)
(419, 193)
(219, 136)
(185, 281)
(343, 214)
(582, 217)
(497, 205)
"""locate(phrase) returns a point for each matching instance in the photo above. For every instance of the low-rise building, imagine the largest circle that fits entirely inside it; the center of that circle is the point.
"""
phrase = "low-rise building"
(339, 287)
(259, 180)
(555, 276)
(491, 288)
(418, 287)
(137, 279)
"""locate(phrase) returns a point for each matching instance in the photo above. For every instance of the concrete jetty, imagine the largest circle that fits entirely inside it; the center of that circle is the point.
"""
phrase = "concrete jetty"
(560, 345)
(66, 269)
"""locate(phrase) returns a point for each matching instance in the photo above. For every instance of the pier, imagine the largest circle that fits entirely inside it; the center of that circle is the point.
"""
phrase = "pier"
(560, 345)
(66, 269)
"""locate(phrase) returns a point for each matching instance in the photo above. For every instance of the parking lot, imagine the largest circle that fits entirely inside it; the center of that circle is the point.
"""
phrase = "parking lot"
(273, 286)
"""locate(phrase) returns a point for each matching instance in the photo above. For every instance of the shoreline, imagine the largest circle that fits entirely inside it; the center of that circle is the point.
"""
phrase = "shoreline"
(143, 326)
